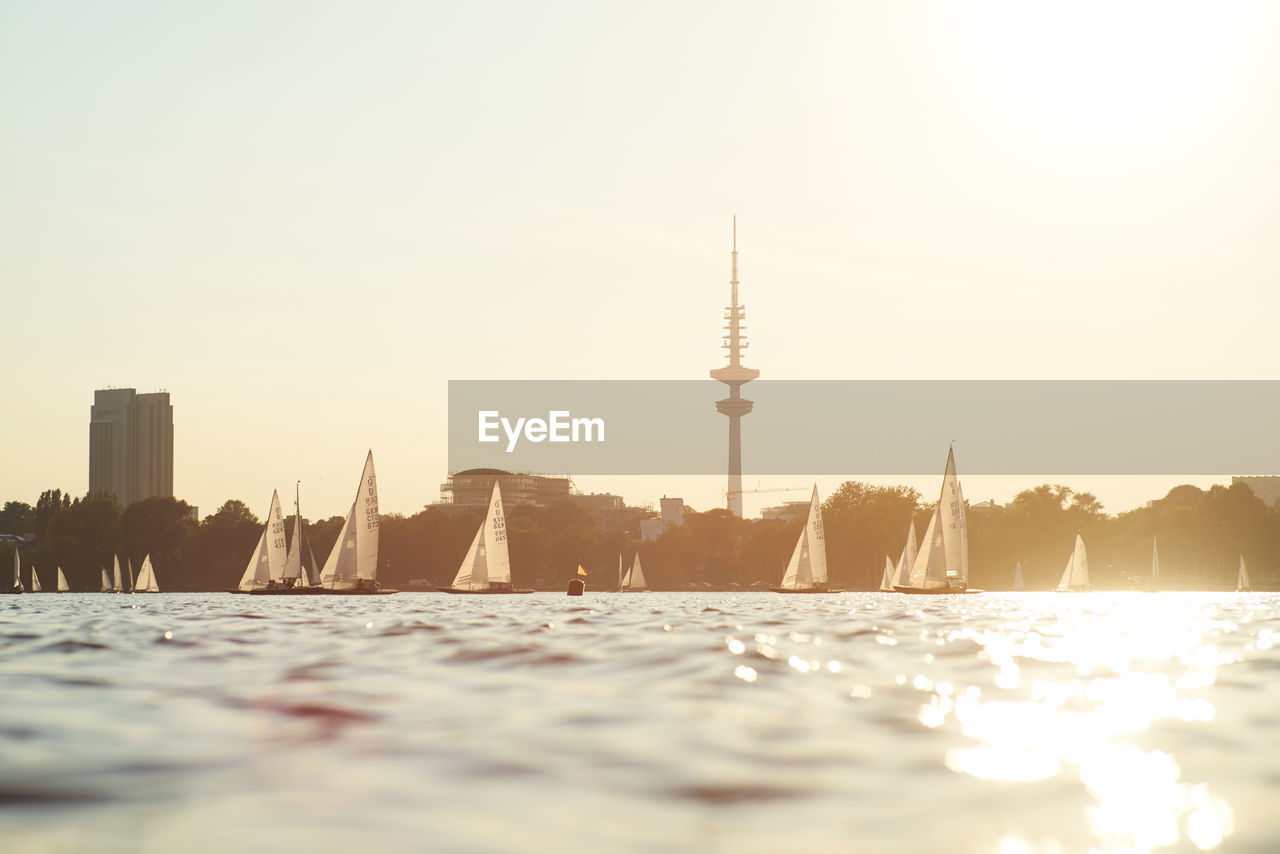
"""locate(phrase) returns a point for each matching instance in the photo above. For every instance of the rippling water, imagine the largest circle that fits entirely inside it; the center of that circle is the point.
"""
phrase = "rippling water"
(734, 722)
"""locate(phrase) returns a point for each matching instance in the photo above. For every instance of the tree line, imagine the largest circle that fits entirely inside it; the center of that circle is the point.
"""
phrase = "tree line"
(1201, 535)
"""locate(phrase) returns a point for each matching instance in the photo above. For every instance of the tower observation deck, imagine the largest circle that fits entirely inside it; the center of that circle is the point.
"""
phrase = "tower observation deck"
(734, 375)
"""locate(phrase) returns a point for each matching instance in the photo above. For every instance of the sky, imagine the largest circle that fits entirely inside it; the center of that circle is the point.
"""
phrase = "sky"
(302, 219)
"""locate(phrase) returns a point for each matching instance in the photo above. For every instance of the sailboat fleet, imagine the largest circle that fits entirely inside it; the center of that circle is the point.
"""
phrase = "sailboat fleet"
(938, 563)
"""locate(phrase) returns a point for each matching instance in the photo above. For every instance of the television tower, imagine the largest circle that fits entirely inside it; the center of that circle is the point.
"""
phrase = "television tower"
(734, 375)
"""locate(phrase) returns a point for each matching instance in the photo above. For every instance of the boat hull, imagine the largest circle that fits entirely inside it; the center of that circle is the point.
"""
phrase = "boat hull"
(939, 591)
(286, 591)
(380, 592)
(485, 592)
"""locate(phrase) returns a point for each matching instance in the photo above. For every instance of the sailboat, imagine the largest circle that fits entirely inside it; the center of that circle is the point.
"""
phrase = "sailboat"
(487, 566)
(117, 586)
(146, 582)
(886, 580)
(633, 581)
(1076, 576)
(267, 562)
(352, 567)
(35, 581)
(106, 582)
(63, 587)
(619, 571)
(942, 564)
(807, 570)
(1017, 577)
(1155, 564)
(902, 571)
(298, 575)
(16, 587)
(1242, 578)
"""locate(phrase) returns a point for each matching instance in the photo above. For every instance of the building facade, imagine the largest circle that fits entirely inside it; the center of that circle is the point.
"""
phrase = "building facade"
(130, 445)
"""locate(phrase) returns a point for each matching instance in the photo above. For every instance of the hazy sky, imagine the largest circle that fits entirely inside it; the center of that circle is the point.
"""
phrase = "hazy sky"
(302, 218)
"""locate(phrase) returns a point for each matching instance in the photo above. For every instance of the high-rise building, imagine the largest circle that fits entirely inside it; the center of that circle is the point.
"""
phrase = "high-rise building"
(130, 445)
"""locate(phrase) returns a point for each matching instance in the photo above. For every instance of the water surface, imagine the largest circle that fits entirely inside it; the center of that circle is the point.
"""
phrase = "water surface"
(735, 722)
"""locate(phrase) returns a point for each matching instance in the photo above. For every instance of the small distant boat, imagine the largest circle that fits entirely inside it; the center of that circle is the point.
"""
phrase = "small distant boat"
(106, 582)
(807, 570)
(146, 582)
(487, 566)
(1017, 577)
(63, 587)
(942, 564)
(117, 586)
(886, 580)
(352, 567)
(16, 587)
(633, 581)
(1242, 578)
(1155, 564)
(1076, 576)
(267, 562)
(35, 581)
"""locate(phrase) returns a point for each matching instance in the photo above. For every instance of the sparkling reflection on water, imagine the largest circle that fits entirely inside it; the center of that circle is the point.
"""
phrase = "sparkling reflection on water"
(711, 722)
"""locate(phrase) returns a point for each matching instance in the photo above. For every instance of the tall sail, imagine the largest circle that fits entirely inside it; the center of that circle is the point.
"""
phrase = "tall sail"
(355, 554)
(1076, 575)
(268, 557)
(301, 561)
(817, 541)
(955, 535)
(1155, 562)
(908, 557)
(17, 569)
(619, 570)
(106, 582)
(35, 581)
(116, 584)
(1017, 577)
(886, 580)
(488, 561)
(146, 582)
(635, 575)
(929, 572)
(63, 587)
(133, 585)
(1242, 576)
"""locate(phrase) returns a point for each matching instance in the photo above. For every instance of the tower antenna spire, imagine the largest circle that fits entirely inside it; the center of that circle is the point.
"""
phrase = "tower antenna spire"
(734, 375)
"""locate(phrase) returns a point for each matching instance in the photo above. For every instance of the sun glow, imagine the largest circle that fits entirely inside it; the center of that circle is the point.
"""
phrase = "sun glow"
(1109, 69)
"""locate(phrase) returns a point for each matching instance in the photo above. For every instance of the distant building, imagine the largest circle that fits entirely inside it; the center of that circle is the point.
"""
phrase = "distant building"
(1266, 488)
(673, 510)
(472, 488)
(787, 511)
(130, 445)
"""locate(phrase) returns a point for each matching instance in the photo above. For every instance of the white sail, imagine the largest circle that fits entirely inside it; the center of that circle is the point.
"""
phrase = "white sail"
(908, 557)
(807, 568)
(268, 557)
(300, 563)
(1017, 577)
(1076, 575)
(17, 569)
(487, 561)
(133, 585)
(955, 534)
(1155, 562)
(886, 580)
(619, 570)
(635, 576)
(106, 582)
(355, 553)
(146, 582)
(35, 581)
(63, 587)
(929, 572)
(116, 584)
(1242, 577)
(799, 573)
